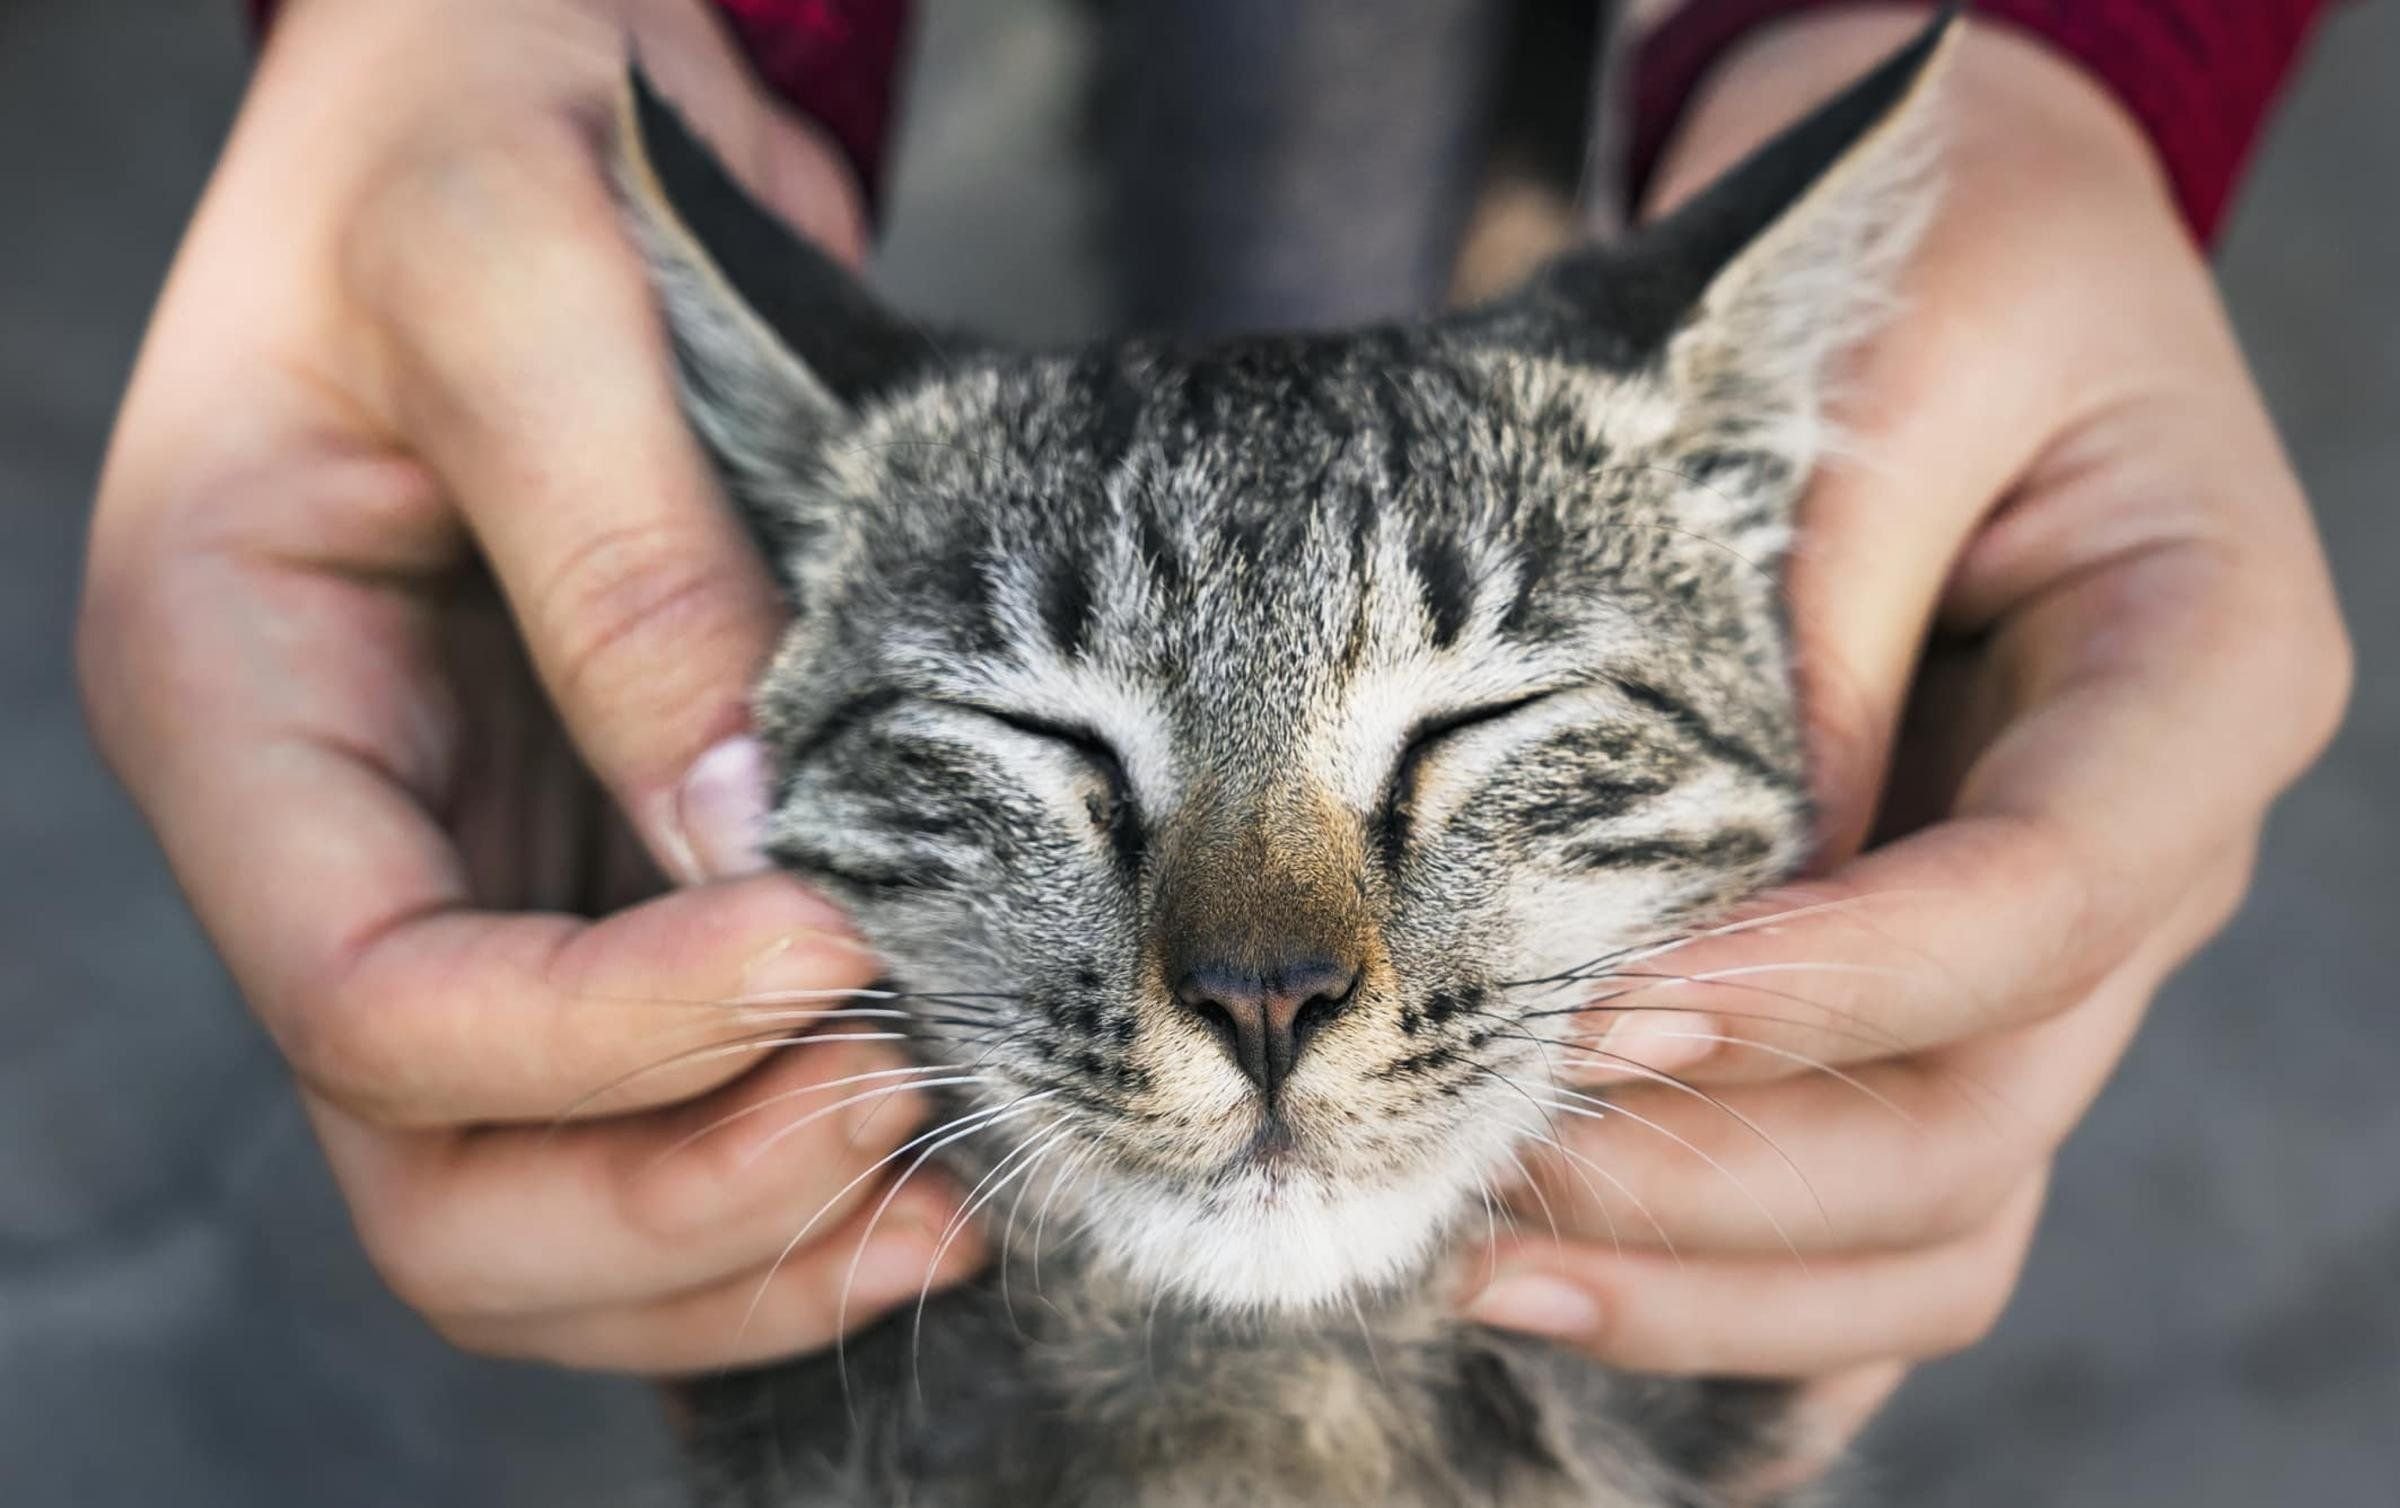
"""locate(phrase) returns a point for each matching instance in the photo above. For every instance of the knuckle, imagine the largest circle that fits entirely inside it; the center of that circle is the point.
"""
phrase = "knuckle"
(349, 1047)
(103, 663)
(336, 1053)
(1970, 1318)
(399, 1246)
(2331, 678)
(616, 593)
(415, 1240)
(689, 1192)
(131, 654)
(2223, 893)
(1973, 1187)
(500, 1337)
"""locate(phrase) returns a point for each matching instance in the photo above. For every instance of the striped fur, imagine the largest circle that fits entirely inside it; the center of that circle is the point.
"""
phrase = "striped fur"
(1451, 650)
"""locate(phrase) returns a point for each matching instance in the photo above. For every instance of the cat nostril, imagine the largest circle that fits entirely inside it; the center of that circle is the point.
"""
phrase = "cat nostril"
(1318, 1010)
(1265, 1017)
(1218, 1020)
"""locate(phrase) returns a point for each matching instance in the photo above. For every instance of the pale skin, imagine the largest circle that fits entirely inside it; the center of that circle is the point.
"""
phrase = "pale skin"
(404, 335)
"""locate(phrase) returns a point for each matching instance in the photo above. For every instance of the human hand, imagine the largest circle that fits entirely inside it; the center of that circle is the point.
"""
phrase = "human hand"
(2058, 465)
(405, 345)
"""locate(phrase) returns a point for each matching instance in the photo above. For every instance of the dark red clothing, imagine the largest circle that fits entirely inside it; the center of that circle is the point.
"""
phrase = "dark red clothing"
(835, 61)
(2200, 75)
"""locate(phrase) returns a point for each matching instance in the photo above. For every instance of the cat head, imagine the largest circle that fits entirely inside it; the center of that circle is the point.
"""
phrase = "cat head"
(1233, 748)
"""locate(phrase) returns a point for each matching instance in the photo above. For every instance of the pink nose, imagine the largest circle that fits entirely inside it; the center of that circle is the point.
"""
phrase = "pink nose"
(1267, 1016)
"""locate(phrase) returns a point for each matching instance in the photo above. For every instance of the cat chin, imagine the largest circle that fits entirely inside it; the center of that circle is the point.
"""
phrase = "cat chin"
(1266, 1244)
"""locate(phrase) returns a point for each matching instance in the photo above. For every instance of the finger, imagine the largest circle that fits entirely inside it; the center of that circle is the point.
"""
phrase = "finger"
(516, 1221)
(461, 1017)
(1761, 1318)
(801, 1303)
(2078, 831)
(532, 372)
(1926, 456)
(1887, 1156)
(292, 748)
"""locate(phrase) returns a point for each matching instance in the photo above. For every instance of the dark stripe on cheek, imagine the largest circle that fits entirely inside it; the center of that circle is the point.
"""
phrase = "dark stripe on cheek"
(1725, 850)
(840, 722)
(1165, 565)
(1067, 606)
(1449, 588)
(1723, 746)
(870, 879)
(1542, 542)
(1594, 801)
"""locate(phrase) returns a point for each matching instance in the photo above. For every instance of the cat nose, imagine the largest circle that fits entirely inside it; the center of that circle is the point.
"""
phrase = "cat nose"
(1266, 1017)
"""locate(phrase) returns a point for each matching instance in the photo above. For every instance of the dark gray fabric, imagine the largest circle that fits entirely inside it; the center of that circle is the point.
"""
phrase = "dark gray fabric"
(1280, 166)
(2210, 1321)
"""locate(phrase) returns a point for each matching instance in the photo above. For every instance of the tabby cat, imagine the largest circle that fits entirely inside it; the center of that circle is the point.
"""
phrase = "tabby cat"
(1221, 744)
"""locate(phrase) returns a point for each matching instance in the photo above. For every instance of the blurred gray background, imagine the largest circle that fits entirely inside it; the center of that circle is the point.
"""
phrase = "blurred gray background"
(2212, 1316)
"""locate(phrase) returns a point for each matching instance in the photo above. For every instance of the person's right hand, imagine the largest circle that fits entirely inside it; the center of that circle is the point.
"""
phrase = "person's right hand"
(405, 357)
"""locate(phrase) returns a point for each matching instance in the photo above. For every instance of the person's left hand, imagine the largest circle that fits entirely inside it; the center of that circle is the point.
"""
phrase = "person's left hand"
(2064, 473)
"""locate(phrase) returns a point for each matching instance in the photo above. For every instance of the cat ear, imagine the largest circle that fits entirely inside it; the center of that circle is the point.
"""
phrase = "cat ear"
(777, 345)
(1745, 293)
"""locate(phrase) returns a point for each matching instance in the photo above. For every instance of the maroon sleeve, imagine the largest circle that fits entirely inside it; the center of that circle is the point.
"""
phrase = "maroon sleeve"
(835, 61)
(2200, 75)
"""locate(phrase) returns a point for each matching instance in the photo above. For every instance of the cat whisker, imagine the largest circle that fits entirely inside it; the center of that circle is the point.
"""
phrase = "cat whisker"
(1607, 1219)
(1815, 1065)
(1642, 952)
(1490, 1072)
(1032, 1153)
(1041, 1219)
(1608, 1109)
(979, 1117)
(1852, 1027)
(988, 1120)
(1606, 1005)
(1614, 1182)
(1008, 1242)
(1549, 1215)
(887, 1092)
(763, 1106)
(1652, 1075)
(754, 1043)
(739, 1002)
(1374, 1357)
(1491, 1228)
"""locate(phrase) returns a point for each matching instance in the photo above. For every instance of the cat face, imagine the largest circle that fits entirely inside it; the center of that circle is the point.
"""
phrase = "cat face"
(1231, 749)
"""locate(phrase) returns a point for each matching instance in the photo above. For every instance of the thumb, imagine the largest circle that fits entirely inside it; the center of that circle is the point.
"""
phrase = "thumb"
(530, 370)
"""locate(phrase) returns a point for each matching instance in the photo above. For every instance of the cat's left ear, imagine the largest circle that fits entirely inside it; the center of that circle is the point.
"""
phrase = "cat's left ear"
(1745, 293)
(778, 346)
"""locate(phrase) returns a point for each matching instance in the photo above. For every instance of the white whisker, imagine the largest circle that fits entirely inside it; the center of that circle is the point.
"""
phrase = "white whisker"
(771, 1101)
(1726, 1173)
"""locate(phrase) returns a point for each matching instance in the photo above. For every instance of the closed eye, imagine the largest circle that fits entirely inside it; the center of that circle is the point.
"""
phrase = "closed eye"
(1113, 810)
(1424, 740)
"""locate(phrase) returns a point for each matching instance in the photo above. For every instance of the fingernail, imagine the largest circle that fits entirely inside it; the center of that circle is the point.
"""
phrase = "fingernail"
(1538, 1304)
(1643, 1043)
(817, 963)
(720, 818)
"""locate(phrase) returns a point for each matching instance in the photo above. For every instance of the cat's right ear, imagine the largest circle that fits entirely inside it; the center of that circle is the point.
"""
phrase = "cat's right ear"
(778, 347)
